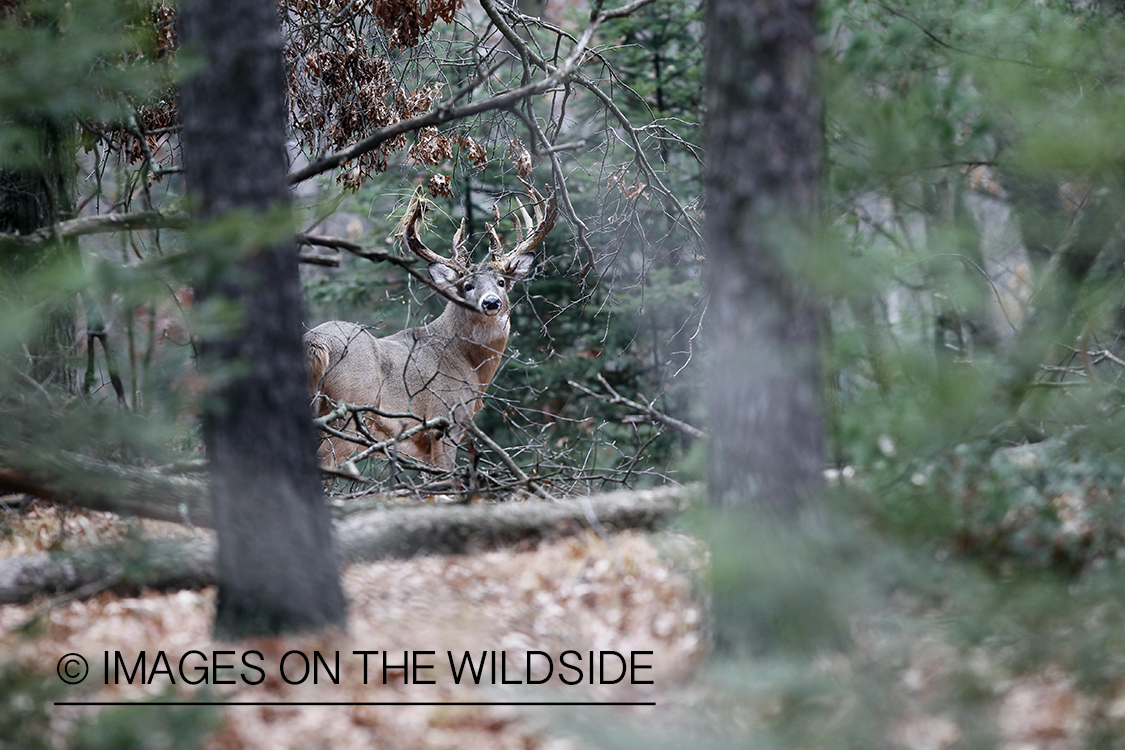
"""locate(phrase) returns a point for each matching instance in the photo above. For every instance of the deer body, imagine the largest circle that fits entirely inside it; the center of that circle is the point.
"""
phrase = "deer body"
(441, 369)
(438, 370)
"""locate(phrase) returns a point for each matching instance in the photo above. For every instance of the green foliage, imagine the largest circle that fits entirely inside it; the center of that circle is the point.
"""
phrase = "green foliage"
(26, 713)
(25, 702)
(931, 105)
(659, 61)
(141, 726)
(61, 60)
(974, 300)
(1054, 505)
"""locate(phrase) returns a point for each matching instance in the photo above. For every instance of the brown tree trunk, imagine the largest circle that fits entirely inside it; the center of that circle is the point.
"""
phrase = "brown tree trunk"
(277, 566)
(763, 140)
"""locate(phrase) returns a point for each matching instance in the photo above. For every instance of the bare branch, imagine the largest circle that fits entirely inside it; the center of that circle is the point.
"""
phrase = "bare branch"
(380, 256)
(624, 10)
(510, 462)
(370, 443)
(446, 112)
(317, 259)
(659, 416)
(101, 223)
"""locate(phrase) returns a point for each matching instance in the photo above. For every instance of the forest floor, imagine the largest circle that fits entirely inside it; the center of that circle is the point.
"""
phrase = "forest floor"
(629, 592)
(632, 592)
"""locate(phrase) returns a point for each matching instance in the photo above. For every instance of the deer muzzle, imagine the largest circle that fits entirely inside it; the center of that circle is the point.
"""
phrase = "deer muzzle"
(491, 304)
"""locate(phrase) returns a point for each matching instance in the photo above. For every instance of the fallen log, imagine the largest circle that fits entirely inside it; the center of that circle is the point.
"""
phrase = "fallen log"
(162, 565)
(74, 479)
(373, 535)
(458, 529)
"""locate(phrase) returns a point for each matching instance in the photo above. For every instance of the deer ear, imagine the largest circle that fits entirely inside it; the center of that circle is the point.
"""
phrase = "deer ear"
(444, 276)
(521, 265)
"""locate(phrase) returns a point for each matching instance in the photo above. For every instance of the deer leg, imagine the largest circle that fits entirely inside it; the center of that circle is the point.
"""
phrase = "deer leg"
(443, 448)
(474, 459)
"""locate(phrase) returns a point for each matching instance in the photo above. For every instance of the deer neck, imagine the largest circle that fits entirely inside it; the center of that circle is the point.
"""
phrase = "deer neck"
(480, 339)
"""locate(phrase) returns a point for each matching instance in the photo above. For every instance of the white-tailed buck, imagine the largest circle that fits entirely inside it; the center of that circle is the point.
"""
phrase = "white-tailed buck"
(440, 369)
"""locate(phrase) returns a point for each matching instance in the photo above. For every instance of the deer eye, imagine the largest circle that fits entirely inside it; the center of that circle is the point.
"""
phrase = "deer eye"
(501, 282)
(469, 287)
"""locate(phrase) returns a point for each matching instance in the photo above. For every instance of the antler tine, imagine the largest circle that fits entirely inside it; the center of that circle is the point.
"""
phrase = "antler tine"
(412, 223)
(460, 246)
(495, 247)
(546, 213)
(516, 218)
(526, 220)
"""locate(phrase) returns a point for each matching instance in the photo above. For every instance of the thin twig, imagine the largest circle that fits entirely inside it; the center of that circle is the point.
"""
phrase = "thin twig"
(379, 256)
(481, 435)
(659, 416)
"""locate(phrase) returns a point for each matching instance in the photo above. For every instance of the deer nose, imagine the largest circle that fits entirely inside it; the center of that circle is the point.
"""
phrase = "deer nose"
(490, 302)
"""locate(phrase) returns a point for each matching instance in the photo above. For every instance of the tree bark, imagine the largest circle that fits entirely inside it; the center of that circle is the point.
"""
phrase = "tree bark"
(763, 175)
(373, 535)
(1040, 211)
(277, 569)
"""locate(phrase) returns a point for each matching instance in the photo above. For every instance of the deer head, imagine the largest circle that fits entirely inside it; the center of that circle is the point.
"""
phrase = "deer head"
(483, 286)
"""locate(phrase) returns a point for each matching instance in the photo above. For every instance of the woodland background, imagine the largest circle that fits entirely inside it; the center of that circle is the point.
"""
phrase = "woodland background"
(954, 583)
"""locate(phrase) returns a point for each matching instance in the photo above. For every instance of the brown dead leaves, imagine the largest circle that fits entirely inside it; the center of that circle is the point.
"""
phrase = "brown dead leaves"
(581, 593)
(435, 149)
(48, 528)
(405, 22)
(341, 92)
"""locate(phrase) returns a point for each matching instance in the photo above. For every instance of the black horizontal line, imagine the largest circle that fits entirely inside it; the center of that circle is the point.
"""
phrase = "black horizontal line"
(355, 703)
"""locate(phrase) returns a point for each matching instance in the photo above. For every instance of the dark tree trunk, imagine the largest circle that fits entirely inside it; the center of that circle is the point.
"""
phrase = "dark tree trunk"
(1041, 213)
(763, 142)
(277, 567)
(36, 191)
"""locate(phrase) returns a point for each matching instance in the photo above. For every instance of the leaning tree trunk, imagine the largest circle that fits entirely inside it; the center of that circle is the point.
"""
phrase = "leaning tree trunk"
(1051, 317)
(763, 141)
(277, 567)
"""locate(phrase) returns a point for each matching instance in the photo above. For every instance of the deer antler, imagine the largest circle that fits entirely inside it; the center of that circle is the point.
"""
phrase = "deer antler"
(412, 223)
(531, 232)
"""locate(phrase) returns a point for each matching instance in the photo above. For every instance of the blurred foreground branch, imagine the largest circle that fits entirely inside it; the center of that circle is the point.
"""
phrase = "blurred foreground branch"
(83, 225)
